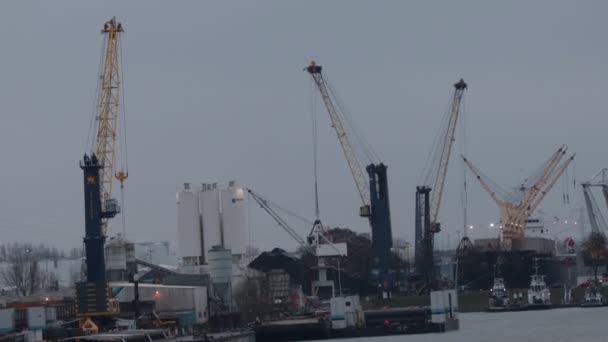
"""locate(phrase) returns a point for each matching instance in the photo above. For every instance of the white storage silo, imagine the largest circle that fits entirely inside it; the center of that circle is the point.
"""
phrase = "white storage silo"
(209, 206)
(234, 218)
(189, 226)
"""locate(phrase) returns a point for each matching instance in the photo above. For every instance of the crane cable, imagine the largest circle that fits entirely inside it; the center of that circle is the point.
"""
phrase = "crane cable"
(91, 138)
(432, 159)
(313, 115)
(363, 147)
(124, 160)
(463, 151)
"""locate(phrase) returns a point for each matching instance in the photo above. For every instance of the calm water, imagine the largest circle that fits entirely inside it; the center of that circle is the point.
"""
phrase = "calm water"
(567, 325)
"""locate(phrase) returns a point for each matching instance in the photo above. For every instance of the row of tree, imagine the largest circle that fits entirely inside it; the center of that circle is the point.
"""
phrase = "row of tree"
(40, 252)
(23, 274)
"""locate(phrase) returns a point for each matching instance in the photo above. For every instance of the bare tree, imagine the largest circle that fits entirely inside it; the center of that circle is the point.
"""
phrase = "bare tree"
(252, 298)
(23, 273)
(596, 251)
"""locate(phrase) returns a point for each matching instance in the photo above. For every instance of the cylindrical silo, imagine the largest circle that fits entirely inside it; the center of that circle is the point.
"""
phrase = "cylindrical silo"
(116, 260)
(234, 218)
(188, 226)
(220, 272)
(209, 204)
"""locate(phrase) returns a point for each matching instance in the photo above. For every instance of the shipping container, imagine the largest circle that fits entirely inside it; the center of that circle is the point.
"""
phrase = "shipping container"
(51, 313)
(36, 318)
(7, 321)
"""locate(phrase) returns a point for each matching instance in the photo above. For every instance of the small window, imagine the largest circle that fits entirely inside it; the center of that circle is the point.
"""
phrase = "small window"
(347, 303)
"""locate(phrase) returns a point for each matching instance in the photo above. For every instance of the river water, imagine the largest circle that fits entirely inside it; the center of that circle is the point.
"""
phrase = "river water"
(557, 325)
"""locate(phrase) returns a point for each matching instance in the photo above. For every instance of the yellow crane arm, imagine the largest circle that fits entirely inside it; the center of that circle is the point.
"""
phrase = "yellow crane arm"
(484, 185)
(549, 186)
(108, 111)
(361, 180)
(544, 177)
(446, 150)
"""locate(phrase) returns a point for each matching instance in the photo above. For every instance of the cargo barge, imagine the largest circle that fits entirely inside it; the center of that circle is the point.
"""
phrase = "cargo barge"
(346, 320)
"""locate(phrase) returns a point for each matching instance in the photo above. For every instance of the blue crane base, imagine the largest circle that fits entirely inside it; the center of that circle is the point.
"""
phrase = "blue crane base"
(380, 222)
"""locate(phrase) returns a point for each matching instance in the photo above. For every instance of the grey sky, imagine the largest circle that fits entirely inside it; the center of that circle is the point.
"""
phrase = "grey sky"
(216, 91)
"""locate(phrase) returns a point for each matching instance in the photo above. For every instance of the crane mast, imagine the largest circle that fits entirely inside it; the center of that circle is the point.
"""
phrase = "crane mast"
(427, 203)
(107, 116)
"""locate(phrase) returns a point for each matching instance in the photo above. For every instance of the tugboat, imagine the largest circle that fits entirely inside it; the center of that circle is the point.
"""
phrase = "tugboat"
(539, 295)
(593, 297)
(499, 299)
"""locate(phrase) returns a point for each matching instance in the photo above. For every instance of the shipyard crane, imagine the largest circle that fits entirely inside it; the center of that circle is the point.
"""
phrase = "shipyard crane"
(316, 244)
(516, 206)
(372, 189)
(93, 295)
(596, 219)
(427, 203)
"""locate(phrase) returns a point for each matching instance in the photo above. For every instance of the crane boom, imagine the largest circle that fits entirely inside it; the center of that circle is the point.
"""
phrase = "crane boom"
(336, 122)
(446, 150)
(543, 192)
(546, 173)
(264, 204)
(483, 183)
(108, 112)
(596, 220)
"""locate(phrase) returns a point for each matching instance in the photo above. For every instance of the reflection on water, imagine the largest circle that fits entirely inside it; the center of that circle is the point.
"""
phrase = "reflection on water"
(567, 325)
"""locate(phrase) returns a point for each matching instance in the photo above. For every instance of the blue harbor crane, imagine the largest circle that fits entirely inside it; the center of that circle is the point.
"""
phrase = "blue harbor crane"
(372, 188)
(93, 295)
(427, 203)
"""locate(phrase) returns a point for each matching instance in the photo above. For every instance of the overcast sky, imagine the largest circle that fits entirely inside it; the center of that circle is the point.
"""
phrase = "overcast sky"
(215, 91)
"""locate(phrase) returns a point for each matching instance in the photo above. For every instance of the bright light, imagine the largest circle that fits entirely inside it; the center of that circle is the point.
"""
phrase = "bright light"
(491, 225)
(157, 295)
(566, 222)
(500, 226)
(47, 299)
(470, 227)
(239, 193)
(575, 222)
